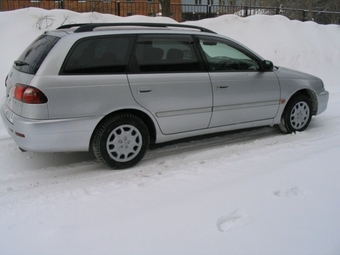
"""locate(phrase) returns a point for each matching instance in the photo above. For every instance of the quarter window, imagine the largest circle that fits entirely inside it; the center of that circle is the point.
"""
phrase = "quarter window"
(225, 57)
(99, 55)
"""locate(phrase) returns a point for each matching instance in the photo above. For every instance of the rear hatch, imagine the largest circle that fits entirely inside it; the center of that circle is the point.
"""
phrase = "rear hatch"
(18, 90)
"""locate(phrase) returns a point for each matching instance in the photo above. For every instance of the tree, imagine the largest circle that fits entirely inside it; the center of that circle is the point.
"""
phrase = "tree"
(165, 4)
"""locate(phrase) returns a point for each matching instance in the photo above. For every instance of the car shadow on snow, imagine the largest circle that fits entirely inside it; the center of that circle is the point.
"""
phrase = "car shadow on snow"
(14, 160)
(87, 161)
(210, 141)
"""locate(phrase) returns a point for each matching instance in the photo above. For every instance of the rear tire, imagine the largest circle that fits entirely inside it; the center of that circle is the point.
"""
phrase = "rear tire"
(297, 114)
(121, 141)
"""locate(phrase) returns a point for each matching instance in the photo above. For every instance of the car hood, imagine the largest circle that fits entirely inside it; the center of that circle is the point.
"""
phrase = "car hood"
(285, 73)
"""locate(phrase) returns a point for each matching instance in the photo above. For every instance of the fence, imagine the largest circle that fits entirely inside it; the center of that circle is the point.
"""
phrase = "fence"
(179, 12)
(196, 12)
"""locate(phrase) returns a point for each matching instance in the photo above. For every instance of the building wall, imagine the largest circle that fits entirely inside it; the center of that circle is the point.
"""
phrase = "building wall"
(127, 7)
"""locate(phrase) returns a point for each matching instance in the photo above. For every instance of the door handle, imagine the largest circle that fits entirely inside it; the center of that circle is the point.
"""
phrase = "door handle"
(145, 90)
(222, 87)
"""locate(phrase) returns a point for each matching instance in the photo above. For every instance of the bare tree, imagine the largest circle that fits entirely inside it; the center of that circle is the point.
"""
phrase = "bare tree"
(165, 4)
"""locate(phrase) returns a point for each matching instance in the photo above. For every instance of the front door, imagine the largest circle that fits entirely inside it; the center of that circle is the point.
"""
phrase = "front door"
(241, 91)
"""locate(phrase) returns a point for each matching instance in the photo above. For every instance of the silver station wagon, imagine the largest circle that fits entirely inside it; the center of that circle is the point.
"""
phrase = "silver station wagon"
(115, 88)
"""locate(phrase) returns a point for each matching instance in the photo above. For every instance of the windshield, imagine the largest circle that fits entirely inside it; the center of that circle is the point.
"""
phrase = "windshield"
(31, 59)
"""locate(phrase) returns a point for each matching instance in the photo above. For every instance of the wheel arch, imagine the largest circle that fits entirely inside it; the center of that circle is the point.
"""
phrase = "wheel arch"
(311, 95)
(292, 122)
(140, 114)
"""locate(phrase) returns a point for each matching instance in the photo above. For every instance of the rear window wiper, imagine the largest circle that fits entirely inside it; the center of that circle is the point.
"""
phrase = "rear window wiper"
(20, 63)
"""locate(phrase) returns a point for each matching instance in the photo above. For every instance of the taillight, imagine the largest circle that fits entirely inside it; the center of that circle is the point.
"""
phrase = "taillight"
(28, 94)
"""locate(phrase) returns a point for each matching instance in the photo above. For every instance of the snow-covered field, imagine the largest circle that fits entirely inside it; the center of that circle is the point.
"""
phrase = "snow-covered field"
(249, 192)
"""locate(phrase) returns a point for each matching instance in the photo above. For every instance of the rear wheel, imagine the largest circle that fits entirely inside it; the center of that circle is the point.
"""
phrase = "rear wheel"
(121, 141)
(297, 114)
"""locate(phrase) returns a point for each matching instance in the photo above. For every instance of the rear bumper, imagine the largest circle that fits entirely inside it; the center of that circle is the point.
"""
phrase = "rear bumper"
(59, 135)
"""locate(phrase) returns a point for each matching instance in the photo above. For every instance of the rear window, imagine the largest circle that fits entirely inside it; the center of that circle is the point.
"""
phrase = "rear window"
(31, 59)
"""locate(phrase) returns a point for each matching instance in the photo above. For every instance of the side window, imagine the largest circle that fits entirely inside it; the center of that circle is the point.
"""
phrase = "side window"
(164, 54)
(99, 55)
(223, 57)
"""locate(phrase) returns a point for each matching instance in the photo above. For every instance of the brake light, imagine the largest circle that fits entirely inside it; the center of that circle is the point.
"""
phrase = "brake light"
(28, 94)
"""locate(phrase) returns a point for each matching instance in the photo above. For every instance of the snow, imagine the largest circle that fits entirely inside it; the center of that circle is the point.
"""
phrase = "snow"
(248, 192)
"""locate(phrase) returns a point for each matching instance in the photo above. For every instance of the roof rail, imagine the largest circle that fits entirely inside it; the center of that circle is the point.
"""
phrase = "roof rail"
(85, 27)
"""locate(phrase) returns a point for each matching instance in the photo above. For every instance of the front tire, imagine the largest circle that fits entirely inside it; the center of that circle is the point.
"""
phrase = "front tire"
(297, 114)
(121, 141)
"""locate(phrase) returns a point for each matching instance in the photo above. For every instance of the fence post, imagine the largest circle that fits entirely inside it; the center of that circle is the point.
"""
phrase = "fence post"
(277, 11)
(118, 8)
(62, 6)
(304, 12)
(208, 11)
(245, 11)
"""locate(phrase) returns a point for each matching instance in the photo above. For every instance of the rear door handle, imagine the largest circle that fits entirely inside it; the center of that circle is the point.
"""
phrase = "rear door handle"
(145, 91)
(222, 87)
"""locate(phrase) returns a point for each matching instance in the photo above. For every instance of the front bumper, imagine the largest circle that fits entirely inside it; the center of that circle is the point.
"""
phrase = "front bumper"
(323, 98)
(58, 135)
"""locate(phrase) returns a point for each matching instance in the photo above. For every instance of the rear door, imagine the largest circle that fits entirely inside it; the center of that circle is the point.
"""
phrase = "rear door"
(241, 91)
(167, 78)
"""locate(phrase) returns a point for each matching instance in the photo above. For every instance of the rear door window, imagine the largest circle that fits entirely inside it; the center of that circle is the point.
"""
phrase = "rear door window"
(31, 59)
(165, 54)
(99, 55)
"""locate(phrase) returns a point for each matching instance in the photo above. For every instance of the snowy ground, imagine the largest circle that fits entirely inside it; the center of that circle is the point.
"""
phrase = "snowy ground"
(249, 192)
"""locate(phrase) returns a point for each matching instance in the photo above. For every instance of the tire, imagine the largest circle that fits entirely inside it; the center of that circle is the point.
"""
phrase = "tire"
(121, 141)
(297, 114)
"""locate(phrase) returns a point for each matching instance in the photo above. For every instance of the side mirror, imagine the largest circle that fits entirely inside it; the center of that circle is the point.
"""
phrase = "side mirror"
(267, 65)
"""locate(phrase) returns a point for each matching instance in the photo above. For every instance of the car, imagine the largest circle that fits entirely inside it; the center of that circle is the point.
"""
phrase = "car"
(116, 88)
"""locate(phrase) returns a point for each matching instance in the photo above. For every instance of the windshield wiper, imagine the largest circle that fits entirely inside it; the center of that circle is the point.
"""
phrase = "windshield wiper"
(20, 63)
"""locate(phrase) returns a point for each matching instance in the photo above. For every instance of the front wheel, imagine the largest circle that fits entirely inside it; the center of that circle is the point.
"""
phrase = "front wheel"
(297, 114)
(121, 141)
